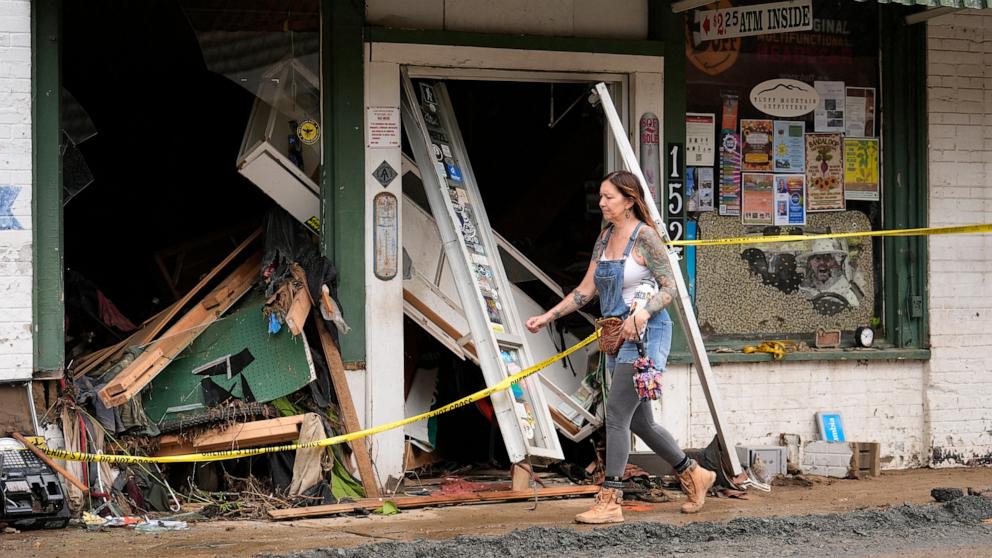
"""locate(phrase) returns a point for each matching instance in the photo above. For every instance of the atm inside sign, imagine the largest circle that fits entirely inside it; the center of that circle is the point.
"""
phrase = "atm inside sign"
(761, 19)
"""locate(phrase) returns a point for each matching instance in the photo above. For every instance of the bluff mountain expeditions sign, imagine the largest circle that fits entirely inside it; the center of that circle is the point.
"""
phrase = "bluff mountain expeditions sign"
(784, 97)
(761, 19)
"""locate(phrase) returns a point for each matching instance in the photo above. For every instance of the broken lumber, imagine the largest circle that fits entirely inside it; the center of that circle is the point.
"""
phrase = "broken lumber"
(154, 325)
(347, 407)
(156, 357)
(48, 461)
(239, 436)
(425, 501)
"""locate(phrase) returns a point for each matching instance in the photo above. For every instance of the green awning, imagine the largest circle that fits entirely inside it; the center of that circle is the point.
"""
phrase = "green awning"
(958, 4)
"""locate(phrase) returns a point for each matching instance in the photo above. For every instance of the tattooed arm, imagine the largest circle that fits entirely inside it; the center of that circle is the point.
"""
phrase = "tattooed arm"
(653, 251)
(573, 301)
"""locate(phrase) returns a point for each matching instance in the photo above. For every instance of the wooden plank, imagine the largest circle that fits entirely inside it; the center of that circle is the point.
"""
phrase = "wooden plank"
(144, 368)
(298, 311)
(424, 501)
(48, 460)
(153, 326)
(563, 422)
(347, 407)
(243, 435)
(438, 320)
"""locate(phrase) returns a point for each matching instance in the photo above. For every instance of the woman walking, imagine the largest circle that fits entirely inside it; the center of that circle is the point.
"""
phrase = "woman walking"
(628, 254)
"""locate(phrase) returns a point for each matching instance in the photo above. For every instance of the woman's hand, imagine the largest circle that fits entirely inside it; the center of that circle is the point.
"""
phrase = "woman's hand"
(634, 326)
(537, 323)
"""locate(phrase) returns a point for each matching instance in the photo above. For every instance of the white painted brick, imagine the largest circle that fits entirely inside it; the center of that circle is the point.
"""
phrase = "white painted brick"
(15, 170)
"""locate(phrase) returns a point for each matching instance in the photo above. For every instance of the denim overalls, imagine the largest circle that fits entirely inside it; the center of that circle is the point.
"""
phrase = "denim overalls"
(608, 279)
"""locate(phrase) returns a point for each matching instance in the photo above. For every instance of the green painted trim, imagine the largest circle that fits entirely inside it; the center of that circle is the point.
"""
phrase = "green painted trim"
(46, 199)
(853, 355)
(904, 180)
(342, 181)
(669, 25)
(523, 42)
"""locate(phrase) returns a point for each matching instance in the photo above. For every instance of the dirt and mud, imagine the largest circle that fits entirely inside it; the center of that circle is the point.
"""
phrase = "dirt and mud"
(850, 518)
(933, 529)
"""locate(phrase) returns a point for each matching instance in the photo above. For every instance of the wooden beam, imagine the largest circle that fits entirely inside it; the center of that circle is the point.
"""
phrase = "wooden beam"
(150, 363)
(438, 320)
(48, 460)
(239, 436)
(153, 326)
(424, 501)
(347, 407)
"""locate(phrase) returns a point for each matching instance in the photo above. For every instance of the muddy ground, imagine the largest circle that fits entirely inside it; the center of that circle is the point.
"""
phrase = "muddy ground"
(953, 528)
(868, 520)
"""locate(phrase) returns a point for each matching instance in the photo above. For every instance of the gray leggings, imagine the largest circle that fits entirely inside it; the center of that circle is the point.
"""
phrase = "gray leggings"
(625, 413)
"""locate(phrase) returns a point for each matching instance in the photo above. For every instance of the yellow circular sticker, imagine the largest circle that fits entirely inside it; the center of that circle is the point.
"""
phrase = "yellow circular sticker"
(308, 131)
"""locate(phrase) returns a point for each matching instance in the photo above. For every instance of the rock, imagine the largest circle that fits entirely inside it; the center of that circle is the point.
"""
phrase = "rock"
(946, 494)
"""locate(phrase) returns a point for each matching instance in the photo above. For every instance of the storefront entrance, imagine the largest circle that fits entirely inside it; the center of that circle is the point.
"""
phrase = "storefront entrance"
(538, 150)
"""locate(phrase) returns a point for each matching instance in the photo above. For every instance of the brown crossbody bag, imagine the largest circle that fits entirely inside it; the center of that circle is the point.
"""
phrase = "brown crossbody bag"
(610, 339)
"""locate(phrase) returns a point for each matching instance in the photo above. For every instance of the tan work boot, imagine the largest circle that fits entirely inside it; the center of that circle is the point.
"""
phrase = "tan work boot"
(696, 481)
(606, 509)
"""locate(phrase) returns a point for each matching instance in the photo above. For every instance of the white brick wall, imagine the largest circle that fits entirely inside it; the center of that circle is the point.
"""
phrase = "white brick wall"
(15, 185)
(880, 401)
(958, 382)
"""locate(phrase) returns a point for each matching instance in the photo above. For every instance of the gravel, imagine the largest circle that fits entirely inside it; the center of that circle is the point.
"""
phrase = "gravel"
(906, 529)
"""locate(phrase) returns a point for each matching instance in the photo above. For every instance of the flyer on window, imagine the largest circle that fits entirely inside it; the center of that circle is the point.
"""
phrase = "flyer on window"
(860, 118)
(757, 200)
(861, 169)
(824, 172)
(699, 189)
(790, 199)
(700, 138)
(829, 114)
(789, 146)
(756, 148)
(730, 174)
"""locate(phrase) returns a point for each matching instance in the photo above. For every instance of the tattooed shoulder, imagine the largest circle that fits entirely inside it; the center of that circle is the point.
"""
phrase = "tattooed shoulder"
(650, 247)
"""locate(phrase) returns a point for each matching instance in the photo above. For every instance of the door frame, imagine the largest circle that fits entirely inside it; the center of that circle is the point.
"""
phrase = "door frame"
(640, 84)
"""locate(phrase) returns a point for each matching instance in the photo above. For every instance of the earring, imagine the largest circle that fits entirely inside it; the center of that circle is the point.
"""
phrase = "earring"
(626, 213)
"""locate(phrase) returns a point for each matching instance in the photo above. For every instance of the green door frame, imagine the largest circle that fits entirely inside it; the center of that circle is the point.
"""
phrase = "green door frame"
(342, 182)
(48, 309)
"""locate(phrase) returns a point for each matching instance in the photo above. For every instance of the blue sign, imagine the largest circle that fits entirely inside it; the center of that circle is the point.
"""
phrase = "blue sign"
(831, 427)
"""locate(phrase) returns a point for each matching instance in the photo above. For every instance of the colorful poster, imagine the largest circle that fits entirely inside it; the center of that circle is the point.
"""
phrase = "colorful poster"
(861, 169)
(829, 114)
(860, 117)
(699, 189)
(789, 146)
(790, 199)
(757, 200)
(756, 149)
(824, 172)
(700, 132)
(728, 120)
(730, 173)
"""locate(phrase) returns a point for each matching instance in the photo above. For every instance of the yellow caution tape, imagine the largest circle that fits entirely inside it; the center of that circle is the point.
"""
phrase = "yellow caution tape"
(967, 229)
(235, 454)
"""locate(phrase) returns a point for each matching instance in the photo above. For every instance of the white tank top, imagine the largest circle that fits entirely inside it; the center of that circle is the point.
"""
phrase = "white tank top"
(634, 274)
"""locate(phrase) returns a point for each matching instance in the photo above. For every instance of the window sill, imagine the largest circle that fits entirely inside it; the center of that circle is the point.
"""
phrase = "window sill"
(850, 354)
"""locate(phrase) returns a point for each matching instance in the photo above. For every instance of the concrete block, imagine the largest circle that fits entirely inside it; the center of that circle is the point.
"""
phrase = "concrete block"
(774, 457)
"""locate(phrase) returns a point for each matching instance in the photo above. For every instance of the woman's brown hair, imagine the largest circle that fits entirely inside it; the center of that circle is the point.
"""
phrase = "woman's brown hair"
(630, 187)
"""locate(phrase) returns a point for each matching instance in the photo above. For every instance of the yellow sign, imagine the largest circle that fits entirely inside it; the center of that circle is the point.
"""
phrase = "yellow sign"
(308, 131)
(861, 169)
